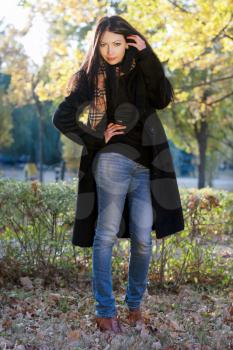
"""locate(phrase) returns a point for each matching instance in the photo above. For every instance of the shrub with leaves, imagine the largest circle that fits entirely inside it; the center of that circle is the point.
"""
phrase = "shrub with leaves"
(36, 221)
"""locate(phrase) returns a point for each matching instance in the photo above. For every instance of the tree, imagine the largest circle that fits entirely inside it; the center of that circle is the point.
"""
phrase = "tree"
(194, 40)
(6, 121)
(69, 32)
(25, 76)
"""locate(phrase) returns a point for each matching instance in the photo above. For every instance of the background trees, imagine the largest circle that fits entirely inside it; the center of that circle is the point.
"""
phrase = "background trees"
(193, 39)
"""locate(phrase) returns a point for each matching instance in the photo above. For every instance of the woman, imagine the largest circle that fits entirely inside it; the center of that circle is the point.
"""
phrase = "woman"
(127, 182)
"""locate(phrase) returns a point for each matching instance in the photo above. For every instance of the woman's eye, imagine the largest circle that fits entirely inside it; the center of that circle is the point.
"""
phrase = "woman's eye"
(117, 44)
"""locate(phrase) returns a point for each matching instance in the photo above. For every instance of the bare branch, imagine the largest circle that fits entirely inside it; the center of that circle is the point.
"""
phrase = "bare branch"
(220, 99)
(204, 83)
(206, 49)
(228, 36)
(222, 30)
(174, 3)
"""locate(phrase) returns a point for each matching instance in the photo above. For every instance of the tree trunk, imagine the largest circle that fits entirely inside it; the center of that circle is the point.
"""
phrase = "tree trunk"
(63, 167)
(41, 144)
(202, 146)
(41, 133)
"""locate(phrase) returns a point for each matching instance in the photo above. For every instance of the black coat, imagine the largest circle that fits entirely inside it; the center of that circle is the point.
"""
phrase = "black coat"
(147, 86)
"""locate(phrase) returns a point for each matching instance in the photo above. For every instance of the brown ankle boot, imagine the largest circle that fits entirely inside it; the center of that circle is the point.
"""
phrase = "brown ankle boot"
(135, 316)
(109, 324)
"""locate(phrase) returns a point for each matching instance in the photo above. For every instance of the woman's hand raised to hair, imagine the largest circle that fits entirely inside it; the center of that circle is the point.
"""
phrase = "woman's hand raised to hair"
(139, 42)
(113, 129)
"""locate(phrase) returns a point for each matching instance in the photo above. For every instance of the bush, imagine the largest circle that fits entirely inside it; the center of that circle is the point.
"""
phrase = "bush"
(37, 219)
(35, 222)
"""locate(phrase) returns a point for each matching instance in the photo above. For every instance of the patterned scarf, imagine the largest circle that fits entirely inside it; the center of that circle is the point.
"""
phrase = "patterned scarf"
(98, 106)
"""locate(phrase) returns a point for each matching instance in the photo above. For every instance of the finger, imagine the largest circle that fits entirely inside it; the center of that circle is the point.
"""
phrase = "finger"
(119, 126)
(118, 132)
(110, 127)
(134, 37)
(137, 38)
(116, 129)
(114, 124)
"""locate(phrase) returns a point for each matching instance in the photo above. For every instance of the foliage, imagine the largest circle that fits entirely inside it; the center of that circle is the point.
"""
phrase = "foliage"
(36, 223)
(71, 153)
(192, 39)
(6, 122)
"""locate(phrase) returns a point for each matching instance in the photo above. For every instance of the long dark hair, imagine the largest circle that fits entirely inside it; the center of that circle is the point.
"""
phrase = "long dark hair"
(91, 63)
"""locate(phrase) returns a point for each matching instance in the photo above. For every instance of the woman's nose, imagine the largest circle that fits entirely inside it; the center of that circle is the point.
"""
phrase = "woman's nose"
(110, 50)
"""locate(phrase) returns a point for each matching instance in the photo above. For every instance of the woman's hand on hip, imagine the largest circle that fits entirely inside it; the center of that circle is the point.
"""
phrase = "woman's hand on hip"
(113, 129)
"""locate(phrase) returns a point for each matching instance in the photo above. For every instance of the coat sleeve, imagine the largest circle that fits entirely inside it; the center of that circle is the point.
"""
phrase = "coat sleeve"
(66, 119)
(159, 89)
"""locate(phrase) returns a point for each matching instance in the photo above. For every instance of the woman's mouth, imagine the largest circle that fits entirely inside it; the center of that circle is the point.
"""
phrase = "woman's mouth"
(111, 58)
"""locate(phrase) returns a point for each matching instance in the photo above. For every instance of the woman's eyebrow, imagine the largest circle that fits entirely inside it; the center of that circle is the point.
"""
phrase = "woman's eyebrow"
(112, 42)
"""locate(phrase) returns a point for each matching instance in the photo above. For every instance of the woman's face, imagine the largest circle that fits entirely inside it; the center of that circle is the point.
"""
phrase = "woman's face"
(112, 47)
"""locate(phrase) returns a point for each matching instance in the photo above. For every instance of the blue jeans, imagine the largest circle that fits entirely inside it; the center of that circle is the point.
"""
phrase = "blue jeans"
(115, 176)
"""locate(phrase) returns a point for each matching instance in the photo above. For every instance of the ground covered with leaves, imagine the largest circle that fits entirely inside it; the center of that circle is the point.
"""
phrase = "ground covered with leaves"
(35, 317)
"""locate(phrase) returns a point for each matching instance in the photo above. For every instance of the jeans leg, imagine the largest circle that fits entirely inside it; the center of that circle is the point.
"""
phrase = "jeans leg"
(112, 176)
(141, 219)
